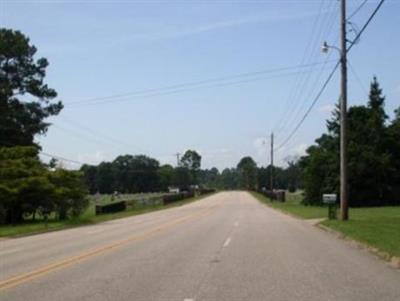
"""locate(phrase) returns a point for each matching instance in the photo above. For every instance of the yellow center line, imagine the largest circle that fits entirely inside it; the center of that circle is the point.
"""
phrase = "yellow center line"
(25, 277)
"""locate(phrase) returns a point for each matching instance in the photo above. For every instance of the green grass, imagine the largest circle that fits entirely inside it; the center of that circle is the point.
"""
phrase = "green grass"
(378, 227)
(293, 206)
(88, 217)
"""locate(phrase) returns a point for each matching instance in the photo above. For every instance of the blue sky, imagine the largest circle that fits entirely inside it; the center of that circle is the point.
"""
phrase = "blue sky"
(99, 49)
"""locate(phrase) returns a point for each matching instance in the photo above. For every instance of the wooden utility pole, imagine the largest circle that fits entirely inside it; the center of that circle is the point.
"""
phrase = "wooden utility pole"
(178, 161)
(272, 163)
(344, 206)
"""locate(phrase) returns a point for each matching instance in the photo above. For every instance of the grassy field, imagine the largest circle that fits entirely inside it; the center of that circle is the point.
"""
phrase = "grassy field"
(378, 227)
(89, 216)
(293, 206)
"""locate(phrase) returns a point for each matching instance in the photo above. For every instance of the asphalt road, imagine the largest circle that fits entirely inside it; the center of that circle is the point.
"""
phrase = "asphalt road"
(224, 247)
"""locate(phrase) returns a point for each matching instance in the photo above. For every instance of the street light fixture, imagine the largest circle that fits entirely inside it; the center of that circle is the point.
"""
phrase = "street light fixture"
(325, 48)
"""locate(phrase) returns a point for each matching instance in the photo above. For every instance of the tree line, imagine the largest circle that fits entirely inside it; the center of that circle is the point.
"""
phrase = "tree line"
(140, 173)
(134, 174)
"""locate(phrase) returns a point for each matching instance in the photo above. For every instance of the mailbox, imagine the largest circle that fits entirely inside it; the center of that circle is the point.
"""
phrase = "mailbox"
(329, 198)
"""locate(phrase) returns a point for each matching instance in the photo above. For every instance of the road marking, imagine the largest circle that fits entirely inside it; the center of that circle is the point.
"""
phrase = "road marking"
(10, 251)
(22, 278)
(188, 299)
(227, 242)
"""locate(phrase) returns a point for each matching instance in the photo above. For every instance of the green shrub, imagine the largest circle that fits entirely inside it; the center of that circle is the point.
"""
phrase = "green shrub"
(111, 208)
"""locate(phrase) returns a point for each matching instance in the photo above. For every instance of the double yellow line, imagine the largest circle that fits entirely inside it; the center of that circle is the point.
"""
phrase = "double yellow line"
(22, 278)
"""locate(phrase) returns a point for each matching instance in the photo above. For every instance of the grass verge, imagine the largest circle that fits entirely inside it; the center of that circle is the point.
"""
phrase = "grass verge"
(293, 206)
(87, 218)
(377, 227)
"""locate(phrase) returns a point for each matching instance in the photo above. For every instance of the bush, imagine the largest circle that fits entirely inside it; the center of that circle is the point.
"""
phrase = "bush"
(111, 208)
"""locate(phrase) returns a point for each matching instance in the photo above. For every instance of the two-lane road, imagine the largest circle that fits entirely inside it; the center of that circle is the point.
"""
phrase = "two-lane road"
(224, 247)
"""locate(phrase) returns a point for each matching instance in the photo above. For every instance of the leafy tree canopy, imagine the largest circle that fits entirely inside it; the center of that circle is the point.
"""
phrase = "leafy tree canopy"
(25, 100)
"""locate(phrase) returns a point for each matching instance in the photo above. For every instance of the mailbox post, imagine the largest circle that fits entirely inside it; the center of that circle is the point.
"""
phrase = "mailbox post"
(331, 201)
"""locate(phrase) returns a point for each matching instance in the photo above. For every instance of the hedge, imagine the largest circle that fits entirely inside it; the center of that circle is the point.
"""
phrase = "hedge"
(171, 198)
(110, 208)
(206, 190)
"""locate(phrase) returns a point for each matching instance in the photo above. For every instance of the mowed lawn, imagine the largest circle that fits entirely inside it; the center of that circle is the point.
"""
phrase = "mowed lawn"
(378, 227)
(293, 206)
(88, 217)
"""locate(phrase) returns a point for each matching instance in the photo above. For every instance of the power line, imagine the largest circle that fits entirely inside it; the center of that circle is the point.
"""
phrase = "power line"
(307, 50)
(195, 88)
(357, 78)
(294, 110)
(82, 137)
(103, 136)
(330, 77)
(62, 158)
(365, 25)
(191, 85)
(357, 10)
(311, 106)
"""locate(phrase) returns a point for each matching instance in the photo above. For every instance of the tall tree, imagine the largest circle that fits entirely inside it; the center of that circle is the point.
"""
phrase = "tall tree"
(89, 177)
(69, 196)
(248, 173)
(25, 100)
(371, 156)
(143, 172)
(182, 178)
(105, 178)
(165, 175)
(393, 145)
(192, 161)
(229, 179)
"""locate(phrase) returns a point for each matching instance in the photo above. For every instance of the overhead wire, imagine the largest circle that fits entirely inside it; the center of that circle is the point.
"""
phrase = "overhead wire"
(297, 82)
(329, 78)
(299, 101)
(109, 139)
(60, 158)
(190, 85)
(310, 107)
(360, 83)
(357, 10)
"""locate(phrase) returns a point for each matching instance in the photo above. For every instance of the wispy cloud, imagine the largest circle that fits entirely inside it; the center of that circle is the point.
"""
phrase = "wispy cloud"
(326, 109)
(168, 31)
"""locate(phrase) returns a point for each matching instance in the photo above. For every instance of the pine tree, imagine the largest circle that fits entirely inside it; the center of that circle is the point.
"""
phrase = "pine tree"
(24, 97)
